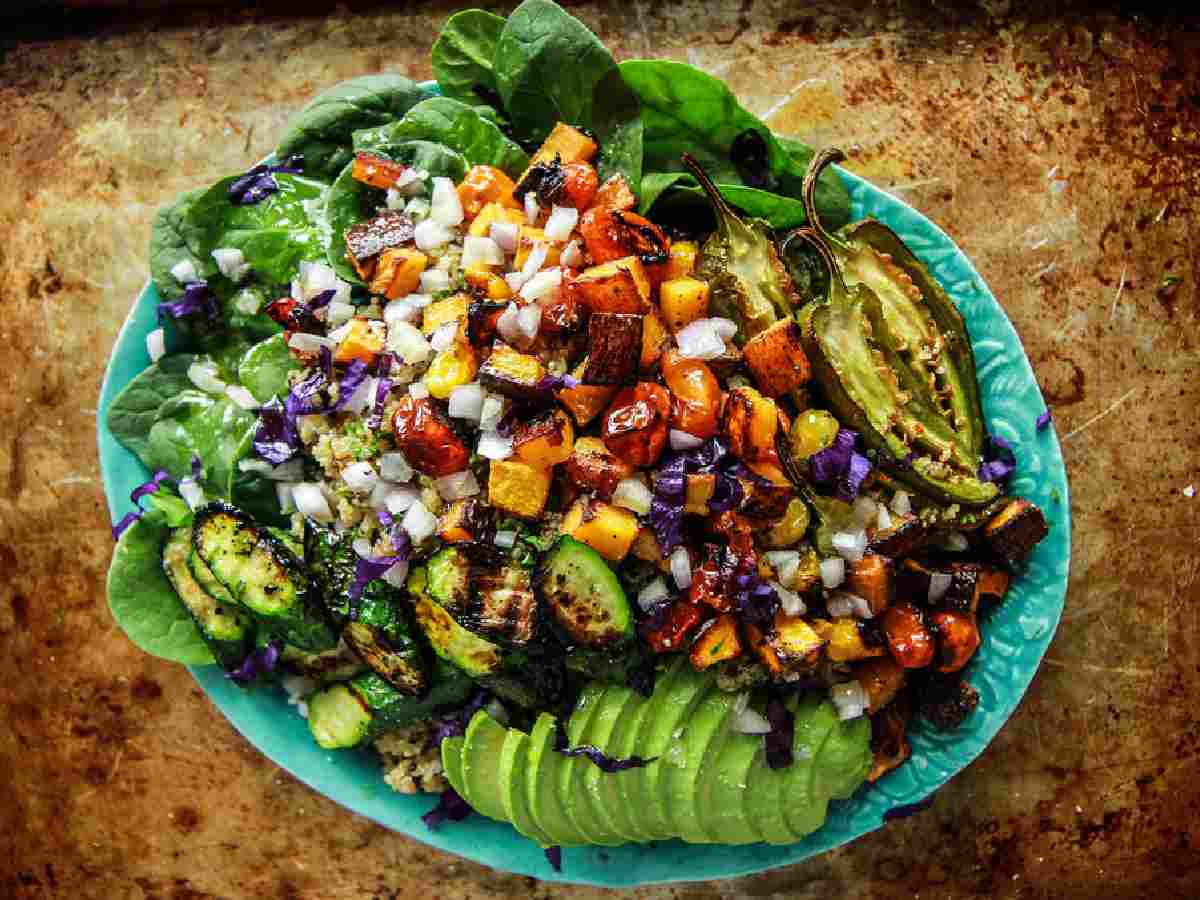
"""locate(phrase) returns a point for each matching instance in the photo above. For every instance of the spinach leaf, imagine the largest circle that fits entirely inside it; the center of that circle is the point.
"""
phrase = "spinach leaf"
(683, 194)
(462, 56)
(656, 184)
(143, 602)
(194, 423)
(549, 67)
(168, 247)
(456, 125)
(264, 368)
(321, 132)
(135, 410)
(273, 235)
(242, 327)
(349, 201)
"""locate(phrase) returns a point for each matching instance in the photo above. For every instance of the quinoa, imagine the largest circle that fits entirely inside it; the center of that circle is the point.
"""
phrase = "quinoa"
(411, 762)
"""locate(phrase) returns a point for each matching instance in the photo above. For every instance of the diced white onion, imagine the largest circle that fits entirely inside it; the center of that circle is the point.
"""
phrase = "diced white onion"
(443, 336)
(379, 495)
(572, 254)
(505, 235)
(395, 199)
(655, 592)
(506, 324)
(363, 396)
(156, 344)
(561, 222)
(362, 547)
(859, 606)
(700, 340)
(466, 402)
(681, 440)
(406, 339)
(533, 263)
(185, 272)
(725, 328)
(506, 540)
(900, 504)
(939, 583)
(338, 313)
(839, 606)
(481, 251)
(778, 558)
(394, 467)
(457, 485)
(420, 301)
(401, 310)
(445, 208)
(833, 572)
(750, 721)
(529, 320)
(789, 600)
(431, 234)
(316, 278)
(309, 343)
(397, 575)
(400, 498)
(955, 542)
(850, 544)
(419, 522)
(340, 333)
(412, 181)
(203, 374)
(247, 302)
(491, 412)
(681, 568)
(192, 493)
(434, 280)
(532, 209)
(493, 445)
(633, 494)
(543, 285)
(417, 209)
(231, 262)
(283, 496)
(254, 465)
(849, 699)
(418, 390)
(241, 396)
(865, 511)
(786, 564)
(360, 477)
(310, 501)
(883, 519)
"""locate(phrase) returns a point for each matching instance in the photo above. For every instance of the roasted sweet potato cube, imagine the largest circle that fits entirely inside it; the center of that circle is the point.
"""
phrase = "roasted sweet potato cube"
(427, 439)
(586, 401)
(990, 586)
(699, 488)
(614, 348)
(366, 240)
(682, 262)
(618, 286)
(871, 578)
(593, 467)
(679, 621)
(546, 440)
(482, 186)
(609, 530)
(615, 194)
(442, 312)
(957, 637)
(566, 143)
(364, 341)
(645, 547)
(1015, 530)
(654, 341)
(377, 171)
(716, 641)
(881, 679)
(776, 358)
(398, 272)
(512, 373)
(750, 422)
(905, 536)
(481, 225)
(889, 744)
(518, 488)
(614, 234)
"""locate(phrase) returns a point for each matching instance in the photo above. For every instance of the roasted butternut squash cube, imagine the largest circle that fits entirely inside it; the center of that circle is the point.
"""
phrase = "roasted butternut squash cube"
(620, 286)
(545, 441)
(481, 225)
(463, 520)
(567, 143)
(484, 185)
(882, 679)
(749, 422)
(699, 489)
(377, 171)
(682, 260)
(792, 646)
(512, 373)
(654, 340)
(487, 283)
(593, 467)
(398, 272)
(683, 301)
(846, 643)
(871, 578)
(586, 401)
(450, 369)
(776, 358)
(614, 348)
(364, 341)
(645, 547)
(527, 238)
(442, 312)
(717, 641)
(607, 529)
(518, 488)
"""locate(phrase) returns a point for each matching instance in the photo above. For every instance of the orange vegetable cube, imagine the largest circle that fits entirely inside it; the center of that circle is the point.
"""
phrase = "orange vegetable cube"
(618, 286)
(607, 529)
(545, 441)
(364, 341)
(442, 312)
(683, 301)
(481, 225)
(377, 171)
(483, 185)
(516, 487)
(526, 239)
(398, 272)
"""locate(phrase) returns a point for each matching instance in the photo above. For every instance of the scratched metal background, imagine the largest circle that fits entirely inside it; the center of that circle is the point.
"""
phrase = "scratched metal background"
(1060, 152)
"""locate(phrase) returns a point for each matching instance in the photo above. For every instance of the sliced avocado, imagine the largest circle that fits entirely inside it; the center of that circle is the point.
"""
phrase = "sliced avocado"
(452, 765)
(618, 705)
(765, 800)
(630, 789)
(724, 817)
(804, 811)
(703, 736)
(514, 757)
(541, 786)
(580, 731)
(674, 706)
(480, 761)
(845, 757)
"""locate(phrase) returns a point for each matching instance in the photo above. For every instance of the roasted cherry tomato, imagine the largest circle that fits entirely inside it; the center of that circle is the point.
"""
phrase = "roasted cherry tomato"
(635, 426)
(426, 438)
(680, 620)
(957, 639)
(695, 393)
(613, 234)
(909, 641)
(281, 310)
(580, 183)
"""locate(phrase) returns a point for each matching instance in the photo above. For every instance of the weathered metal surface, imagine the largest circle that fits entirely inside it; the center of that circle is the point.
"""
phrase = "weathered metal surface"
(1061, 155)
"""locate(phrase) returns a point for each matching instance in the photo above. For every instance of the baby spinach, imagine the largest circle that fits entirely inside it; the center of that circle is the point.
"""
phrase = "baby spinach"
(349, 201)
(143, 602)
(462, 57)
(681, 194)
(264, 368)
(135, 410)
(456, 125)
(274, 235)
(321, 132)
(193, 423)
(549, 67)
(168, 247)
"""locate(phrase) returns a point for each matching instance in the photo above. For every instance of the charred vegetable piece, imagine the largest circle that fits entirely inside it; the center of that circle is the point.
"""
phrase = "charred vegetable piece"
(635, 426)
(580, 185)
(716, 641)
(593, 467)
(614, 348)
(427, 439)
(390, 652)
(565, 143)
(712, 580)
(654, 341)
(610, 530)
(547, 180)
(518, 488)
(846, 642)
(889, 745)
(957, 639)
(507, 609)
(613, 233)
(1015, 530)
(909, 641)
(448, 578)
(742, 267)
(881, 679)
(546, 440)
(618, 286)
(583, 594)
(750, 423)
(376, 171)
(905, 537)
(871, 578)
(227, 631)
(681, 618)
(483, 185)
(452, 642)
(367, 240)
(585, 401)
(768, 496)
(775, 357)
(695, 394)
(398, 272)
(464, 520)
(947, 700)
(615, 194)
(443, 312)
(791, 647)
(327, 666)
(512, 373)
(262, 575)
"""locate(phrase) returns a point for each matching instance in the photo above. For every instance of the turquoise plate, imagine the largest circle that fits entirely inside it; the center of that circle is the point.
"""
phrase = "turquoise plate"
(1014, 640)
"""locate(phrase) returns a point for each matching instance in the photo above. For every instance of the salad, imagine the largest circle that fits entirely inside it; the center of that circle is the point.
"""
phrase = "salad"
(555, 435)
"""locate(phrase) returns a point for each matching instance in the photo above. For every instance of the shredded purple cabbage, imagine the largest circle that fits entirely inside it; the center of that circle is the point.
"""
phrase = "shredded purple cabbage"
(142, 490)
(554, 857)
(840, 466)
(196, 298)
(599, 758)
(277, 438)
(258, 662)
(756, 601)
(550, 383)
(1043, 421)
(450, 808)
(366, 570)
(122, 524)
(259, 183)
(382, 389)
(999, 460)
(455, 724)
(904, 810)
(778, 741)
(670, 487)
